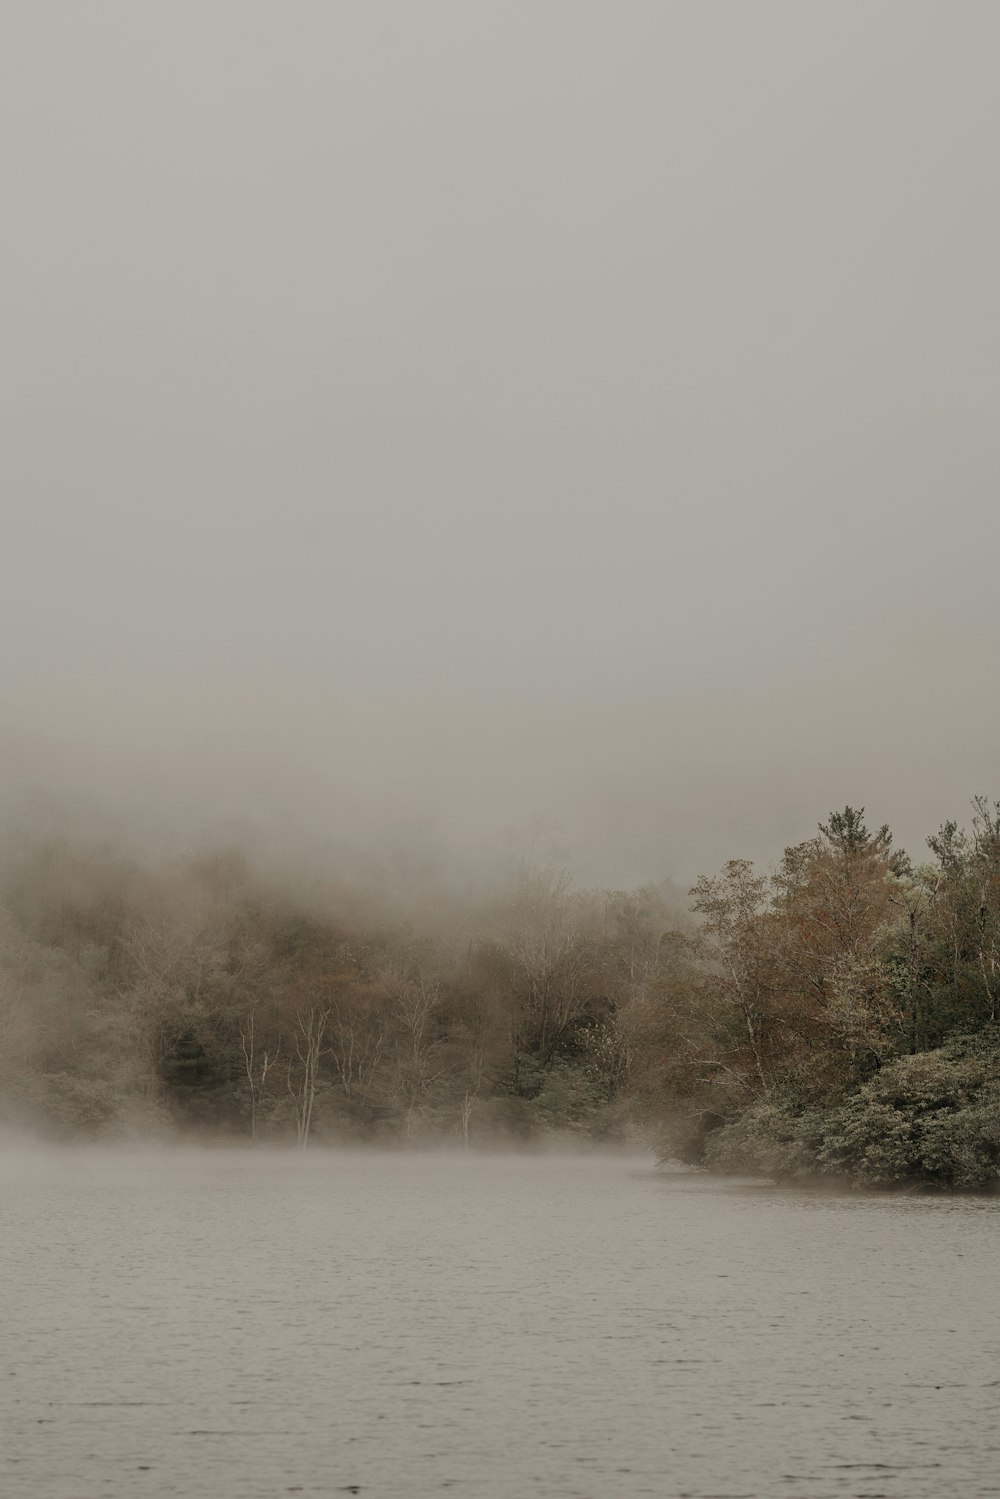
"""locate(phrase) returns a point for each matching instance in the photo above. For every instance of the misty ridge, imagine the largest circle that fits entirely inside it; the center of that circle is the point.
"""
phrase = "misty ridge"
(838, 1016)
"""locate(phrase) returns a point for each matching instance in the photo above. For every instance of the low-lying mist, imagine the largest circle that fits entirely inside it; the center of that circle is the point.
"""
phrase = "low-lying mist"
(207, 997)
(758, 1022)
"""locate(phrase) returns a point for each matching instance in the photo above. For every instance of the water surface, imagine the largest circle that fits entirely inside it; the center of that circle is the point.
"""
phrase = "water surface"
(245, 1326)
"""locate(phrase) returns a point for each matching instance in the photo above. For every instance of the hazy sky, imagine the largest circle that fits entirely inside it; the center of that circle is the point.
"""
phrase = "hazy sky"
(423, 418)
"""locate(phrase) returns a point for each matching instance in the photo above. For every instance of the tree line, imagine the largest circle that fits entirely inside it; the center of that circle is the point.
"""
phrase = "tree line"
(838, 1015)
(137, 1000)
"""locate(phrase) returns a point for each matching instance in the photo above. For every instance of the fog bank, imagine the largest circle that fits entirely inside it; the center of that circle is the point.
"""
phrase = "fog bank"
(426, 425)
(619, 794)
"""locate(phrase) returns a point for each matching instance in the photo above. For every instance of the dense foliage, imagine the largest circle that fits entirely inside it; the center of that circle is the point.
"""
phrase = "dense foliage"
(839, 1016)
(137, 1001)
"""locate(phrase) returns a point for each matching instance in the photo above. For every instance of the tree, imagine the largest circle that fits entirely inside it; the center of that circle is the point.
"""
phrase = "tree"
(418, 1064)
(962, 947)
(258, 1061)
(835, 899)
(542, 934)
(733, 906)
(302, 1075)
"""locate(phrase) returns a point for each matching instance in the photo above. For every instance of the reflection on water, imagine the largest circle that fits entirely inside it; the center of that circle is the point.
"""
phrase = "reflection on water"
(228, 1325)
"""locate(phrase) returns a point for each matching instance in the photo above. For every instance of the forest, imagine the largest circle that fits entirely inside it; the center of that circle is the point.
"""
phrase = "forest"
(835, 1017)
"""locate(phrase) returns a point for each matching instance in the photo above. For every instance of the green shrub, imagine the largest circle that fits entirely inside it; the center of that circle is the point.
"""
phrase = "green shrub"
(570, 1098)
(932, 1120)
(768, 1139)
(63, 1106)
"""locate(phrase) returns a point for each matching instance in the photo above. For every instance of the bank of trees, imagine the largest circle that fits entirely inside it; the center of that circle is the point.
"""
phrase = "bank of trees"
(836, 1015)
(171, 1000)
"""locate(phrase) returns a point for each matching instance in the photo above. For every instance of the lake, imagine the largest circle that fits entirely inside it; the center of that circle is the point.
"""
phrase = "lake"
(228, 1324)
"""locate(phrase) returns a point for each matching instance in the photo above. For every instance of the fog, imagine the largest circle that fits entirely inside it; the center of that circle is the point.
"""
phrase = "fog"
(435, 430)
(468, 470)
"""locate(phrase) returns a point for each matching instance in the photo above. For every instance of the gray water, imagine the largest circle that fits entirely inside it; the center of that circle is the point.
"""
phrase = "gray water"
(229, 1325)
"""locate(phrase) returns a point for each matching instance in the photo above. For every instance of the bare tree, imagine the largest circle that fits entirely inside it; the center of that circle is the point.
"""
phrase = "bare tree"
(310, 1028)
(357, 1039)
(415, 1003)
(257, 1064)
(546, 941)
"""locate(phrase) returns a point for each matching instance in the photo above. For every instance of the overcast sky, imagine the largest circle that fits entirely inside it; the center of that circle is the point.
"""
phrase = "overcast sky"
(425, 419)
